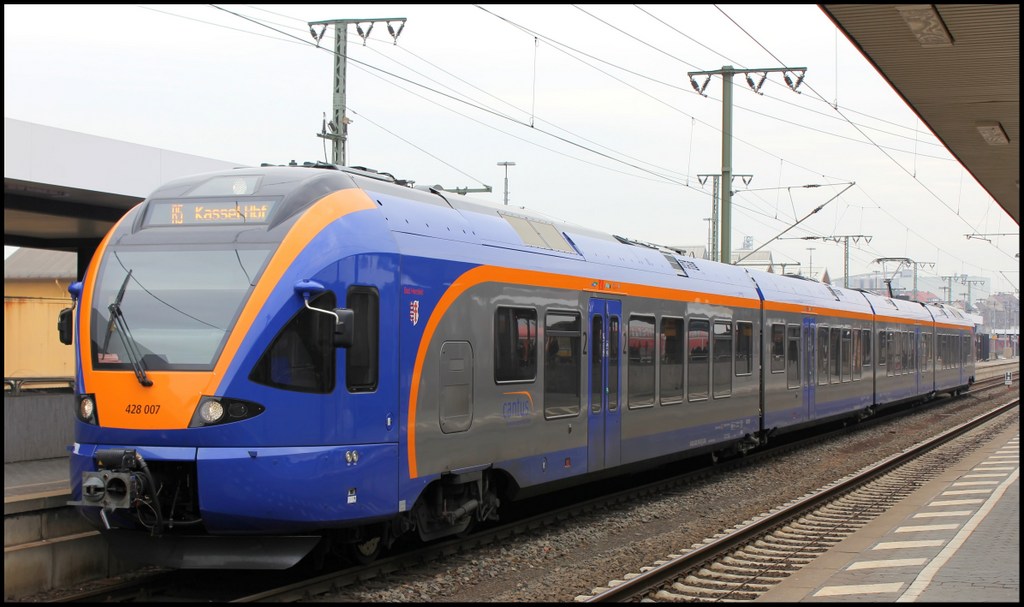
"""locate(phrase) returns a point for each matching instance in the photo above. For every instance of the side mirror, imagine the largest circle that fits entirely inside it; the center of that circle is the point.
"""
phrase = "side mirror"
(345, 328)
(66, 326)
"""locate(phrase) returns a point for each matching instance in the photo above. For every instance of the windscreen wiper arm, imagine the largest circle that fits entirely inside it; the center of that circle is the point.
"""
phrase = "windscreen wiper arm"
(130, 346)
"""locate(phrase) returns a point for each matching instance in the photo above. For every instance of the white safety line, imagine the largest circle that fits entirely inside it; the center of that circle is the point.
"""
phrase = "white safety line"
(886, 563)
(925, 577)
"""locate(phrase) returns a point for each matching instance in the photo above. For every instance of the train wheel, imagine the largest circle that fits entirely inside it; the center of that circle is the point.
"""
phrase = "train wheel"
(470, 528)
(366, 550)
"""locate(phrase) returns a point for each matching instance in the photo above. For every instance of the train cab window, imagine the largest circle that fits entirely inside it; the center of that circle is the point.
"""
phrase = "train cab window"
(515, 345)
(361, 359)
(822, 355)
(697, 359)
(642, 356)
(744, 348)
(302, 355)
(721, 350)
(562, 375)
(793, 356)
(778, 348)
(671, 361)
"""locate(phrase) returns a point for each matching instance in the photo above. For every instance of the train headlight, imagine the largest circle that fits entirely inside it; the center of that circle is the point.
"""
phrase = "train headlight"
(215, 410)
(87, 409)
(211, 412)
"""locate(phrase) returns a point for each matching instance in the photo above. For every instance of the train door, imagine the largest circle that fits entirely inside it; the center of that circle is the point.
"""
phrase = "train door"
(604, 427)
(809, 367)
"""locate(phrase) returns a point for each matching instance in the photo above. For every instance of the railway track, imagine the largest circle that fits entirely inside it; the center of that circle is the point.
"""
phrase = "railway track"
(296, 586)
(747, 561)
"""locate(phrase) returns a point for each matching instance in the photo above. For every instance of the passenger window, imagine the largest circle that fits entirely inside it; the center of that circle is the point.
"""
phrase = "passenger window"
(721, 372)
(562, 374)
(302, 355)
(640, 367)
(858, 355)
(697, 359)
(778, 348)
(822, 355)
(835, 359)
(515, 344)
(672, 354)
(846, 352)
(744, 348)
(793, 356)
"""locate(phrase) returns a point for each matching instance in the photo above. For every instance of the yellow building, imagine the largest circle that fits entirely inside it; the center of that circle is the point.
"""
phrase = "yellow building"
(35, 291)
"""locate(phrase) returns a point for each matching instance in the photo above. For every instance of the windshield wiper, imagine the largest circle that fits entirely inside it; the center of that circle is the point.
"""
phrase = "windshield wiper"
(130, 346)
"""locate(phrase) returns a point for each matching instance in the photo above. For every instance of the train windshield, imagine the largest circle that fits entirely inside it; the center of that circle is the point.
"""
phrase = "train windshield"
(169, 309)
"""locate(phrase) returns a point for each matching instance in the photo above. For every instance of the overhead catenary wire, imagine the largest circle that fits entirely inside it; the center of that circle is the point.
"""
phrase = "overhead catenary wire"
(611, 157)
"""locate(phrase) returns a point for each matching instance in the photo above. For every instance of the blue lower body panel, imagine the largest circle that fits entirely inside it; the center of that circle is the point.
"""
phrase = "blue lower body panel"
(272, 489)
(266, 490)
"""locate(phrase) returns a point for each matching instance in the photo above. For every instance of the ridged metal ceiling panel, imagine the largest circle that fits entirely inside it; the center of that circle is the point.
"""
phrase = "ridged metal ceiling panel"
(953, 88)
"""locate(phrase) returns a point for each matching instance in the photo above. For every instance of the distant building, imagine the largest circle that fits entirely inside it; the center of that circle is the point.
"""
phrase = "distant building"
(761, 260)
(35, 291)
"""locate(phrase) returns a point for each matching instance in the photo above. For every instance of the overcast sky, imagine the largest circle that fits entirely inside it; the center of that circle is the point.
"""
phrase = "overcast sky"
(592, 103)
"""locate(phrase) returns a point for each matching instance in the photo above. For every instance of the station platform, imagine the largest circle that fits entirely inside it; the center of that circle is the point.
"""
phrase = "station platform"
(955, 539)
(23, 480)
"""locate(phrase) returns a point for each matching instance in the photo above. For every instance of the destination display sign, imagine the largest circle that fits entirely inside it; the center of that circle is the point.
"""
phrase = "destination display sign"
(221, 212)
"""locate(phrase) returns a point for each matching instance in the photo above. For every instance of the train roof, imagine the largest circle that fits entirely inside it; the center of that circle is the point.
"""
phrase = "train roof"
(902, 308)
(527, 238)
(428, 221)
(807, 292)
(950, 315)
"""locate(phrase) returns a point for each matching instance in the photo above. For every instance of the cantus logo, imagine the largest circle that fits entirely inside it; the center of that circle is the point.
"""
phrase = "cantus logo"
(518, 406)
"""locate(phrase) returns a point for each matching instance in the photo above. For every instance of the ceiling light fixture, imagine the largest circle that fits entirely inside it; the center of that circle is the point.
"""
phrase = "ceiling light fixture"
(926, 25)
(992, 132)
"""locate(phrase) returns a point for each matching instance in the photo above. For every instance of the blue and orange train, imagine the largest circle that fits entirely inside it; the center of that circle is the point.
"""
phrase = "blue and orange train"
(282, 360)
